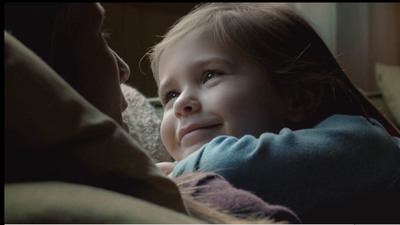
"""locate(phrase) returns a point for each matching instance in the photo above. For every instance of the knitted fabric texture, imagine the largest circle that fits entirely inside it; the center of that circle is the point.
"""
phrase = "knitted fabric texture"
(212, 189)
(144, 124)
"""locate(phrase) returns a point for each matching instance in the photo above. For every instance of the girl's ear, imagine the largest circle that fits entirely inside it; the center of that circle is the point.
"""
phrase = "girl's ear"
(304, 104)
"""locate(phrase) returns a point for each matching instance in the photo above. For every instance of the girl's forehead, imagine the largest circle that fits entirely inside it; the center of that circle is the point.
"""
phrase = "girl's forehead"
(194, 46)
(198, 37)
(202, 46)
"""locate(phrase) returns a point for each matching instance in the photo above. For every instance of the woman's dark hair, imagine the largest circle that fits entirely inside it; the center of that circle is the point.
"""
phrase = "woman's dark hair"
(32, 24)
(39, 26)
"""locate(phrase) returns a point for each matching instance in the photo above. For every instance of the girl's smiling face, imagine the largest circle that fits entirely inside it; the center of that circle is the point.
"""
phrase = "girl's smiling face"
(209, 90)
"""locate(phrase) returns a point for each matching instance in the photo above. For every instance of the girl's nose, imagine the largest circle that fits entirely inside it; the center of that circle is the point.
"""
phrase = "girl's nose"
(186, 104)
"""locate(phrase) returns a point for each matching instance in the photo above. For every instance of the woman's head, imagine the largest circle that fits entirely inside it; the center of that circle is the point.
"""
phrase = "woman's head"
(69, 37)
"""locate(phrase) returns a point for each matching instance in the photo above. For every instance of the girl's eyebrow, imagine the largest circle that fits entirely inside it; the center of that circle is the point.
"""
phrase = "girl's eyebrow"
(212, 59)
(163, 86)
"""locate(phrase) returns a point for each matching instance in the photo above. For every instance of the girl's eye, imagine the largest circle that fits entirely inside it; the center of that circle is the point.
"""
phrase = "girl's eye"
(170, 95)
(208, 75)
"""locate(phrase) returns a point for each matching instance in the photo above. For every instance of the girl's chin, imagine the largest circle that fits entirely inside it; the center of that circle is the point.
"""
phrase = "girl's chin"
(191, 149)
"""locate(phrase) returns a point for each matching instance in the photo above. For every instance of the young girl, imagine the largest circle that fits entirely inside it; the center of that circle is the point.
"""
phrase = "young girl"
(252, 93)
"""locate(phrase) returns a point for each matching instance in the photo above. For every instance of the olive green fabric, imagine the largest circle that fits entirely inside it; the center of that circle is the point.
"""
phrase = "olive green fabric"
(57, 202)
(51, 133)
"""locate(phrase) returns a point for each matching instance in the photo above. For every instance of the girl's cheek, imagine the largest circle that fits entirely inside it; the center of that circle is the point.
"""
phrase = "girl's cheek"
(167, 131)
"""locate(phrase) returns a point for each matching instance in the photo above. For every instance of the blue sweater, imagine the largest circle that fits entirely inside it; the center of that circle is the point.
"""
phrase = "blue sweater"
(342, 158)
